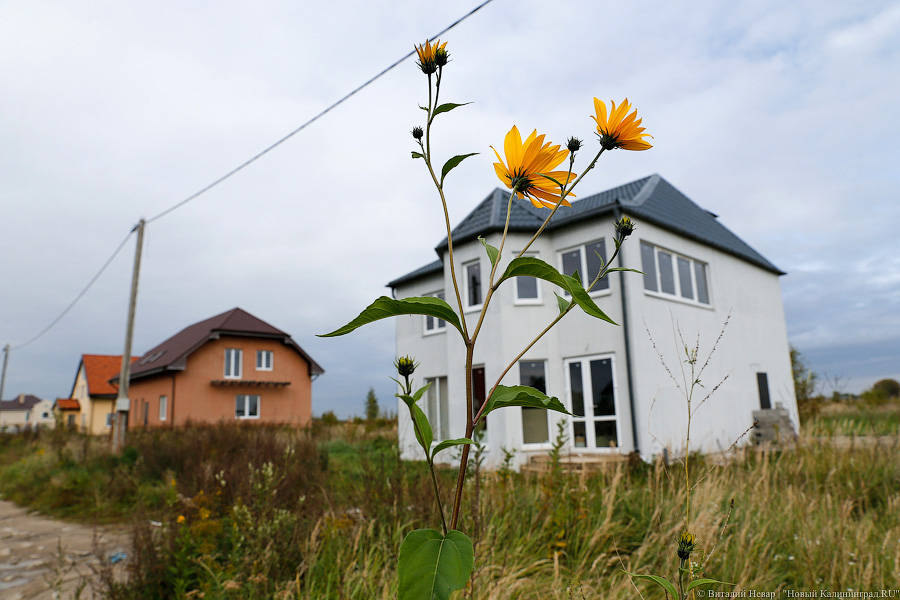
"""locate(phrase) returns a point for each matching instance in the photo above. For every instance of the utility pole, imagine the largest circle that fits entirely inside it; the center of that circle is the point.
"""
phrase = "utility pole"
(3, 377)
(123, 404)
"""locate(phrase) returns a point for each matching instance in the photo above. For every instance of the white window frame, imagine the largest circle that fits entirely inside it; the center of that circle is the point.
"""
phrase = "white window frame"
(163, 407)
(437, 408)
(525, 301)
(234, 359)
(549, 442)
(246, 398)
(109, 419)
(583, 270)
(466, 291)
(694, 264)
(437, 325)
(589, 418)
(261, 362)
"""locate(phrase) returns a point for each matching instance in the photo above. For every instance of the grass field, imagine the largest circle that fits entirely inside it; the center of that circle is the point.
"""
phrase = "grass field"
(256, 512)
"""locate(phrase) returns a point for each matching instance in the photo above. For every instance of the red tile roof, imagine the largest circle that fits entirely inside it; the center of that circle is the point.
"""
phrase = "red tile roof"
(99, 369)
(67, 404)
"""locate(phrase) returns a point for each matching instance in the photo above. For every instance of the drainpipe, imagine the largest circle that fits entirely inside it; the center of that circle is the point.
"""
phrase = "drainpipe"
(617, 214)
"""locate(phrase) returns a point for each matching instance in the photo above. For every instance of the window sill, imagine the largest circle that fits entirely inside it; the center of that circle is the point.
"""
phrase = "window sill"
(434, 331)
(678, 299)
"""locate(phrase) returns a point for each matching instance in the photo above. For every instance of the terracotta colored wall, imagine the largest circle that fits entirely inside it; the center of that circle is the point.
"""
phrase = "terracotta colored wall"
(192, 397)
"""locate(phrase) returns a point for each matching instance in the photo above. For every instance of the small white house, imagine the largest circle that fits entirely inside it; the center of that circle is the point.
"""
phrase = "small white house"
(25, 412)
(696, 274)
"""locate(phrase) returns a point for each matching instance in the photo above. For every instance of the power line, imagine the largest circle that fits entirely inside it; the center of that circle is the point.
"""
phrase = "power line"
(271, 147)
(240, 168)
(78, 297)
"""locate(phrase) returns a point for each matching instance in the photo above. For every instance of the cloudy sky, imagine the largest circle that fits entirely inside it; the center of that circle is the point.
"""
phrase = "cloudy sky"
(780, 117)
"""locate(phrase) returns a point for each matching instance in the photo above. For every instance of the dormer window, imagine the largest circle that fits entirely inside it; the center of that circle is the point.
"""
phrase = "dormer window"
(233, 359)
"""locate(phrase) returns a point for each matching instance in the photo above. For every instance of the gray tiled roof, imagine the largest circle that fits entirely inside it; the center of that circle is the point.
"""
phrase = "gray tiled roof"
(651, 199)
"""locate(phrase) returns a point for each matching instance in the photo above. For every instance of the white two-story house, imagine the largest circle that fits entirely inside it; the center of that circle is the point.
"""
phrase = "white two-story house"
(696, 274)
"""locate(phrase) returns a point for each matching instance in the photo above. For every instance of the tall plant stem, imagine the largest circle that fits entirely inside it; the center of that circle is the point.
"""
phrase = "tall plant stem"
(470, 427)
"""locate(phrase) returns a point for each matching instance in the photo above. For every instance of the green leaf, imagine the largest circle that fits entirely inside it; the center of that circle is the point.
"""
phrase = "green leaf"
(624, 269)
(535, 267)
(493, 253)
(423, 428)
(563, 303)
(522, 395)
(450, 444)
(417, 395)
(417, 155)
(447, 108)
(453, 162)
(661, 581)
(432, 566)
(699, 582)
(389, 307)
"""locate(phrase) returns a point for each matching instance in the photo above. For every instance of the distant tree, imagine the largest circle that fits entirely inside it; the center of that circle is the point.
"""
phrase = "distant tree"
(805, 382)
(372, 410)
(889, 388)
(329, 418)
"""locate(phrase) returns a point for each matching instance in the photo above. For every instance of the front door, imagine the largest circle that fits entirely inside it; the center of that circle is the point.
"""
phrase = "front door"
(592, 399)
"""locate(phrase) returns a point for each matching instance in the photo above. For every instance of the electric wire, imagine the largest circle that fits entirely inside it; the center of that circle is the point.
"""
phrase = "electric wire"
(239, 168)
(271, 147)
(79, 296)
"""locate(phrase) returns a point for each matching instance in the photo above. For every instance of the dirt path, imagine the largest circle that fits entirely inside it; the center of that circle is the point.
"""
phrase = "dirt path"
(31, 567)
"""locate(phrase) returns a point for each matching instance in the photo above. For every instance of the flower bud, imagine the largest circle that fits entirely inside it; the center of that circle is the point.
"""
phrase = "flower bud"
(418, 133)
(624, 227)
(574, 144)
(405, 366)
(441, 57)
(686, 544)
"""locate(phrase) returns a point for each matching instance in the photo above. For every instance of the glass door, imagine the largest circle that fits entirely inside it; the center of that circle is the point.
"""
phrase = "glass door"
(592, 399)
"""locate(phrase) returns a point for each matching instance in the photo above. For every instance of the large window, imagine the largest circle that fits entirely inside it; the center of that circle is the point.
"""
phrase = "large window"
(473, 284)
(246, 407)
(668, 273)
(264, 360)
(588, 260)
(534, 420)
(433, 324)
(438, 409)
(592, 401)
(163, 407)
(233, 359)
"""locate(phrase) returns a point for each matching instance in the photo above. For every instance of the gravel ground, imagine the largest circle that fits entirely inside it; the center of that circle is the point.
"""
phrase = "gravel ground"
(31, 565)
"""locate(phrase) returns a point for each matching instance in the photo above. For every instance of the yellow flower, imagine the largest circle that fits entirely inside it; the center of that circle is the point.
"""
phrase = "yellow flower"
(687, 542)
(431, 56)
(619, 129)
(526, 163)
(180, 519)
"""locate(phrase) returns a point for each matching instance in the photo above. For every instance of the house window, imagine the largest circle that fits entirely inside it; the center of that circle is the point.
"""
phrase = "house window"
(762, 383)
(246, 407)
(438, 409)
(479, 393)
(109, 419)
(535, 429)
(264, 360)
(233, 359)
(588, 260)
(473, 284)
(70, 421)
(528, 290)
(432, 324)
(163, 407)
(674, 275)
(592, 401)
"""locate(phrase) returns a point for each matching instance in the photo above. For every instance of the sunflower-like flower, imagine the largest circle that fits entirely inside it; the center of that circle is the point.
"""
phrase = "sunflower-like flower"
(619, 129)
(526, 165)
(432, 56)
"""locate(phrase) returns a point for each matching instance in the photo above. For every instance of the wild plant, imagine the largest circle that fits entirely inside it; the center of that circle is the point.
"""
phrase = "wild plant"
(434, 563)
(689, 383)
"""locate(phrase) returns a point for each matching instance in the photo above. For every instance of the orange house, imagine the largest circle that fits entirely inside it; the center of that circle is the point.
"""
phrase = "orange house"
(230, 367)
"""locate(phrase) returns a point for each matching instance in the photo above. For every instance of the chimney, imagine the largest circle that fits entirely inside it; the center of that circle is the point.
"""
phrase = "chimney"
(21, 398)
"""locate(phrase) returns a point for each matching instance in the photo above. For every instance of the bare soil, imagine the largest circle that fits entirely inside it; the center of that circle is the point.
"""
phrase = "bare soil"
(42, 558)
